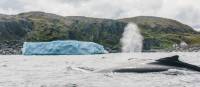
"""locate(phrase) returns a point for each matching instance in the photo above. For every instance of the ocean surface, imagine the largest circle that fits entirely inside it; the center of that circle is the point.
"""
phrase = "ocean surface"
(79, 71)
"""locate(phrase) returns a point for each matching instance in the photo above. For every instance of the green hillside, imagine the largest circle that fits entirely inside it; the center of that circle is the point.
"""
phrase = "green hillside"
(162, 33)
(159, 33)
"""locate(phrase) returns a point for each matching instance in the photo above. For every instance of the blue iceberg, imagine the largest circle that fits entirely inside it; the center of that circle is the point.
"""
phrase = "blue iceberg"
(69, 47)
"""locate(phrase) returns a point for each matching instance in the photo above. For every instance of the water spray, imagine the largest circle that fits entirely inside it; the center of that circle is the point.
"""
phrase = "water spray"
(132, 40)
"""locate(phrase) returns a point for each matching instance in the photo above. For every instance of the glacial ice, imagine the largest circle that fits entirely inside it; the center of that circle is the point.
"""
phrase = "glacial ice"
(68, 47)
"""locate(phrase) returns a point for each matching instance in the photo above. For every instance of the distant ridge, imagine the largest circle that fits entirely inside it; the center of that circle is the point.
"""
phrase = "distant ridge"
(159, 33)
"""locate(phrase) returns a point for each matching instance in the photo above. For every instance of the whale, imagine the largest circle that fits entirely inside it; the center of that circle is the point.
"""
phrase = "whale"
(162, 64)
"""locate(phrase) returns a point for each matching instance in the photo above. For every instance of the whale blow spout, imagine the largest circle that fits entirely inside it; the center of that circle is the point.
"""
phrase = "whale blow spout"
(132, 40)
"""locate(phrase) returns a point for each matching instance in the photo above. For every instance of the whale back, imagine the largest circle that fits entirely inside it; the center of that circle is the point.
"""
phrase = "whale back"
(162, 64)
(169, 59)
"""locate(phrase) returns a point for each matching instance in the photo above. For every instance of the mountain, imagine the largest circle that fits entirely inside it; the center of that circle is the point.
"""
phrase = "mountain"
(13, 28)
(159, 33)
(163, 33)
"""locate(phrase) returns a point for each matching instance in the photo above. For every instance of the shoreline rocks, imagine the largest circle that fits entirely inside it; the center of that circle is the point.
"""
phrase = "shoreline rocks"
(10, 47)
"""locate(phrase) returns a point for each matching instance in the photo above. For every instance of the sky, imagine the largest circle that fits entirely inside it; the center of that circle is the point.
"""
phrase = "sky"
(185, 11)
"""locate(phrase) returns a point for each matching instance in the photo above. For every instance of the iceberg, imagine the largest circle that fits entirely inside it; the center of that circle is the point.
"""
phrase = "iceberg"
(68, 47)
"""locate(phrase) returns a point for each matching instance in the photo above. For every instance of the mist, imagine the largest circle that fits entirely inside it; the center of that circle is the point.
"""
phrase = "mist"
(132, 40)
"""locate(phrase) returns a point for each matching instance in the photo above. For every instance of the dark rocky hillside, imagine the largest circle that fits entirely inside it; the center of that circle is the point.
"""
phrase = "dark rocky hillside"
(159, 33)
(13, 28)
(103, 31)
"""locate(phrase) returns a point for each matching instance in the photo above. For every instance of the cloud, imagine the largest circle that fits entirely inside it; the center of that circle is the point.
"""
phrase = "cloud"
(187, 11)
(12, 7)
(197, 27)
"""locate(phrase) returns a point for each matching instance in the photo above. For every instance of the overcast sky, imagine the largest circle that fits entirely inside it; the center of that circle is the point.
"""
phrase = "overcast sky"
(186, 11)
